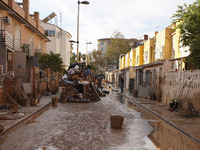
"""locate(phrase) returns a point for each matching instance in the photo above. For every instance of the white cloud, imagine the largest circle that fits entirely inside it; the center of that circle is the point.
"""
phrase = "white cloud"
(101, 18)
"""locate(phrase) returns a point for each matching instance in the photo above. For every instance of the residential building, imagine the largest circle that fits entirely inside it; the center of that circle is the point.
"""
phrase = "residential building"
(103, 45)
(179, 53)
(21, 35)
(122, 61)
(149, 54)
(163, 49)
(59, 42)
(139, 59)
(127, 59)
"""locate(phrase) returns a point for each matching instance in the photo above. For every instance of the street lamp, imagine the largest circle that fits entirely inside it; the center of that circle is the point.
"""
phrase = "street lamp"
(85, 3)
(72, 41)
(87, 58)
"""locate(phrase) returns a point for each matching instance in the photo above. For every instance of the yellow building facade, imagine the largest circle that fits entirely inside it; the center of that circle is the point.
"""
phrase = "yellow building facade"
(163, 47)
(178, 51)
(149, 47)
(139, 52)
(166, 45)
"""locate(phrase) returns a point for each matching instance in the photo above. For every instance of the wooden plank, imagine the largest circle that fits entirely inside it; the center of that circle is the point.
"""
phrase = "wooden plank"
(95, 92)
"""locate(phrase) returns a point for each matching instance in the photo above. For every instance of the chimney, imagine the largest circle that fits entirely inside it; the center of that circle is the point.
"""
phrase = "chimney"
(155, 34)
(26, 8)
(37, 19)
(145, 37)
(10, 3)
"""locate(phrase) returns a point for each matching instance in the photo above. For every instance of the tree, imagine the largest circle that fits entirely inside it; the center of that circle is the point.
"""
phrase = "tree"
(189, 17)
(117, 46)
(52, 61)
(83, 56)
(73, 58)
(97, 58)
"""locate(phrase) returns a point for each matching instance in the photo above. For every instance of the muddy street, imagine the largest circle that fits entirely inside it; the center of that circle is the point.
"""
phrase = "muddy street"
(83, 126)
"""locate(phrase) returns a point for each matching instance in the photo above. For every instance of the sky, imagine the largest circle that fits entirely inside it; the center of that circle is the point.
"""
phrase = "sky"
(99, 19)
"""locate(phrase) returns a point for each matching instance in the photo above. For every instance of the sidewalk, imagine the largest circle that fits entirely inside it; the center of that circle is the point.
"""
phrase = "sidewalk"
(188, 126)
(25, 115)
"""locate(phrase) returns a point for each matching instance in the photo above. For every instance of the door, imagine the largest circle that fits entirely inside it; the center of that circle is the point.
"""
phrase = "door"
(10, 62)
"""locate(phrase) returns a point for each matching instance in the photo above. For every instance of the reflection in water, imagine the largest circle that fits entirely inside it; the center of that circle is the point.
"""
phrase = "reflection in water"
(164, 136)
(120, 97)
(47, 148)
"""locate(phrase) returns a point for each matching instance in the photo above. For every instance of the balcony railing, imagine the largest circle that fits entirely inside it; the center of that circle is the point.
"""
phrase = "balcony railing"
(6, 39)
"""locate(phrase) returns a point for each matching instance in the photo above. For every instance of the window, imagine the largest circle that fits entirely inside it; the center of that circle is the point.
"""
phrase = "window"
(50, 33)
(40, 47)
(31, 45)
(102, 43)
(101, 48)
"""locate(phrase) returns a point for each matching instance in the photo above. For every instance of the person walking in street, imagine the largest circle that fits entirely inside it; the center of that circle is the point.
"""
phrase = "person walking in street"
(99, 84)
(122, 83)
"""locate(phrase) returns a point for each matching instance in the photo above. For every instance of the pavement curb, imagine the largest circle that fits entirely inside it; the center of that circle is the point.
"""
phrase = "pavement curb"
(32, 116)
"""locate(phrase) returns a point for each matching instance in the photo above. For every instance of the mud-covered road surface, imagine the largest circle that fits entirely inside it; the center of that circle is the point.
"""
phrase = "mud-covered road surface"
(83, 126)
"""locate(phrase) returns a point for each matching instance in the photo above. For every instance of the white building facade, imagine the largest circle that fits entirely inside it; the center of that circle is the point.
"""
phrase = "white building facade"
(59, 43)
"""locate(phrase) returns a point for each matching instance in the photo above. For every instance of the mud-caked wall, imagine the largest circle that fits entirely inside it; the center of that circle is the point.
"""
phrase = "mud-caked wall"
(182, 85)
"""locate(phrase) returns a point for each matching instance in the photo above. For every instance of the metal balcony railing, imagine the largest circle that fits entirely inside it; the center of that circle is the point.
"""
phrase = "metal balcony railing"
(6, 39)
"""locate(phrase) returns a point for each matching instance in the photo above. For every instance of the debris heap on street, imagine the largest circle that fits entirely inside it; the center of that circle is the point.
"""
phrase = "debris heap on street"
(78, 86)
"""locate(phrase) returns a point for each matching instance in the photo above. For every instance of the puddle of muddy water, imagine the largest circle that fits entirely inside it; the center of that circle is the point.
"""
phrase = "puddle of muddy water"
(47, 148)
(164, 136)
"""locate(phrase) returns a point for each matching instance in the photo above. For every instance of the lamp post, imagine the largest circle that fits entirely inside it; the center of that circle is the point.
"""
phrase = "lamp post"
(85, 3)
(87, 58)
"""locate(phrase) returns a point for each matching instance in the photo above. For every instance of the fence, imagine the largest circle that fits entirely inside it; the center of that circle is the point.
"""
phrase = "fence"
(24, 75)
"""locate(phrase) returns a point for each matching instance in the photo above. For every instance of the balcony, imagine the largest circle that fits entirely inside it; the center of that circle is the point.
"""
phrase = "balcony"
(6, 39)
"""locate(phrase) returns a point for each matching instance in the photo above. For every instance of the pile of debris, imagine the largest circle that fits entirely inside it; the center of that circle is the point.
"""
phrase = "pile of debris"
(78, 86)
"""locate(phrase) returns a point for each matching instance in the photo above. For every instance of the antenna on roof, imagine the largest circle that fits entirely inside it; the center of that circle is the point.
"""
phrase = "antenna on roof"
(61, 24)
(56, 22)
(61, 20)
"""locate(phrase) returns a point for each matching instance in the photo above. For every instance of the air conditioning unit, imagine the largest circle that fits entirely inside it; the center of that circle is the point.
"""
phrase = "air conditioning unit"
(7, 20)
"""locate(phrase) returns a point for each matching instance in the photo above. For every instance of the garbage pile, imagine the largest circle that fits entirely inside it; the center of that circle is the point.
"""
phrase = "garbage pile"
(78, 86)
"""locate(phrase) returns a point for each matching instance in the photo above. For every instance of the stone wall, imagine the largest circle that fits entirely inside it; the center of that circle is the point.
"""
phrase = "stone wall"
(184, 85)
